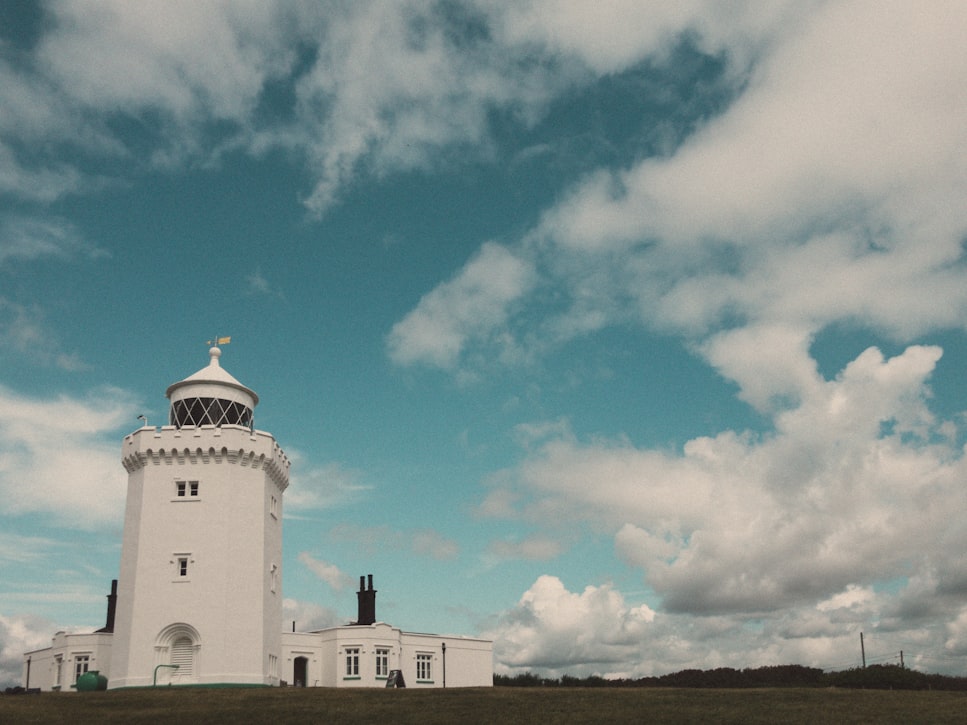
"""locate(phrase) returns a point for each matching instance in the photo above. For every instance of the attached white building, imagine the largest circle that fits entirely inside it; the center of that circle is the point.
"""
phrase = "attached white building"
(200, 587)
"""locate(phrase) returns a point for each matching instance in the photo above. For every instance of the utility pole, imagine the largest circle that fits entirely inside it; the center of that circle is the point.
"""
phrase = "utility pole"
(862, 650)
(901, 660)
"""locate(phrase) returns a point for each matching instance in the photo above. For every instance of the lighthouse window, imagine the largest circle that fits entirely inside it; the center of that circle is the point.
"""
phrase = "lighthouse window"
(181, 562)
(186, 489)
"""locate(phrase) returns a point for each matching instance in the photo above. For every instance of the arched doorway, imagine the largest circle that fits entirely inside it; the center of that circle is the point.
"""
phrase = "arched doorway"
(300, 671)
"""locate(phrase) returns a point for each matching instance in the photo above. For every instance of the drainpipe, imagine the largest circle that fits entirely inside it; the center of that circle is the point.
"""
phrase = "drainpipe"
(154, 680)
(443, 646)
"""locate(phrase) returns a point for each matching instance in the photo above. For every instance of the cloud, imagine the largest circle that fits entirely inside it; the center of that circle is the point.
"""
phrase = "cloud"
(18, 635)
(26, 238)
(553, 629)
(421, 542)
(433, 544)
(475, 302)
(308, 617)
(840, 494)
(533, 548)
(833, 175)
(363, 88)
(319, 487)
(329, 573)
(23, 330)
(58, 456)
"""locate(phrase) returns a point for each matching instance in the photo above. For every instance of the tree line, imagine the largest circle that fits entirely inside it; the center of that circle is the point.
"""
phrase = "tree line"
(883, 677)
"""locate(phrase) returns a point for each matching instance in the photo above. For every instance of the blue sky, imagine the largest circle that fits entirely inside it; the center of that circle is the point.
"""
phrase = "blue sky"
(629, 336)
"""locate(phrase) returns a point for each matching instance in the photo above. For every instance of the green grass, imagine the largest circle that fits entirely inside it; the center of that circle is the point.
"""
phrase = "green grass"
(503, 705)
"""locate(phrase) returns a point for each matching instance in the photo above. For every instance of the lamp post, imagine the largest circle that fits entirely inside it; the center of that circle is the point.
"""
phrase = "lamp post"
(443, 646)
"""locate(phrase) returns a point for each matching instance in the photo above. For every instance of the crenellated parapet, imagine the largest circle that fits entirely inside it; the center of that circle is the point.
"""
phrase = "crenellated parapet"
(208, 444)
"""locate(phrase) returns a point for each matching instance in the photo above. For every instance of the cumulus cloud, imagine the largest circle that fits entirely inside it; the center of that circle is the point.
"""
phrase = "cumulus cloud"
(555, 631)
(802, 527)
(552, 629)
(59, 455)
(19, 635)
(841, 493)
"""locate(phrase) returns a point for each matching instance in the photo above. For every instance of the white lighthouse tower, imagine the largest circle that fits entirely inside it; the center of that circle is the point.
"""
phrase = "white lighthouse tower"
(200, 597)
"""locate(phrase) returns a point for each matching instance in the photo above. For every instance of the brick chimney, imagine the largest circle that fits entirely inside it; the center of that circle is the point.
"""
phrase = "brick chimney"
(367, 602)
(112, 605)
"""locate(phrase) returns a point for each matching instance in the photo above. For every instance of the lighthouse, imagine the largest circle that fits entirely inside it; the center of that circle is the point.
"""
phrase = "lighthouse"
(200, 587)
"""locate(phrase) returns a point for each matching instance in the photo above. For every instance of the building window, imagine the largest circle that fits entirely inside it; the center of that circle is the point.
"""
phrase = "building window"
(182, 563)
(186, 489)
(273, 666)
(81, 664)
(382, 662)
(352, 662)
(58, 665)
(274, 577)
(424, 668)
(274, 507)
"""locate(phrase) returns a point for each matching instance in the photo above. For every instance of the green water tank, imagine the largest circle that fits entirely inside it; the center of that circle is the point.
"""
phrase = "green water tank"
(90, 681)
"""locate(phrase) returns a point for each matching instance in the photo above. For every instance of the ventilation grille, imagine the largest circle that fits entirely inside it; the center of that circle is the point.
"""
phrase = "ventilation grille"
(182, 652)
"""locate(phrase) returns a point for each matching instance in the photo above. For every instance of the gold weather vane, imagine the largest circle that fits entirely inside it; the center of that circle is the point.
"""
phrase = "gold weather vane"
(220, 340)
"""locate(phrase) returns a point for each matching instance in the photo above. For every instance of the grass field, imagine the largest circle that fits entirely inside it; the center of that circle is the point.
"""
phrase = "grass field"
(503, 705)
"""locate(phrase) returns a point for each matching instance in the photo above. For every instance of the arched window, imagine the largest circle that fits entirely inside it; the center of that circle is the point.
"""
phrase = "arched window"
(176, 654)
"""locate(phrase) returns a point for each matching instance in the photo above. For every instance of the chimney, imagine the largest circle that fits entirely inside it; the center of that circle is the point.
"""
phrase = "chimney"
(112, 605)
(367, 602)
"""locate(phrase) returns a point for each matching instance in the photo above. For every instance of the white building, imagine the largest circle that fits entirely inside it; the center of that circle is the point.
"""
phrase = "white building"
(200, 595)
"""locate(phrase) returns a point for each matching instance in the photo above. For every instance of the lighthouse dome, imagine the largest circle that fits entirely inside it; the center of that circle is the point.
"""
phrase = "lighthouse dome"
(211, 397)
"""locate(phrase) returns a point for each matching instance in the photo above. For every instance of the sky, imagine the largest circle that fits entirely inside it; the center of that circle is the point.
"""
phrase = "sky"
(628, 334)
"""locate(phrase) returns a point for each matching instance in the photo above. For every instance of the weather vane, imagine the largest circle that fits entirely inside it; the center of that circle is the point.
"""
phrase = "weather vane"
(219, 340)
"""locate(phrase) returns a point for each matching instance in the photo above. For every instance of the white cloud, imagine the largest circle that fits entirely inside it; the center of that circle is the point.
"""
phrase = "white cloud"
(475, 302)
(319, 487)
(836, 174)
(26, 238)
(307, 616)
(17, 636)
(329, 573)
(553, 629)
(841, 494)
(59, 456)
(433, 544)
(23, 330)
